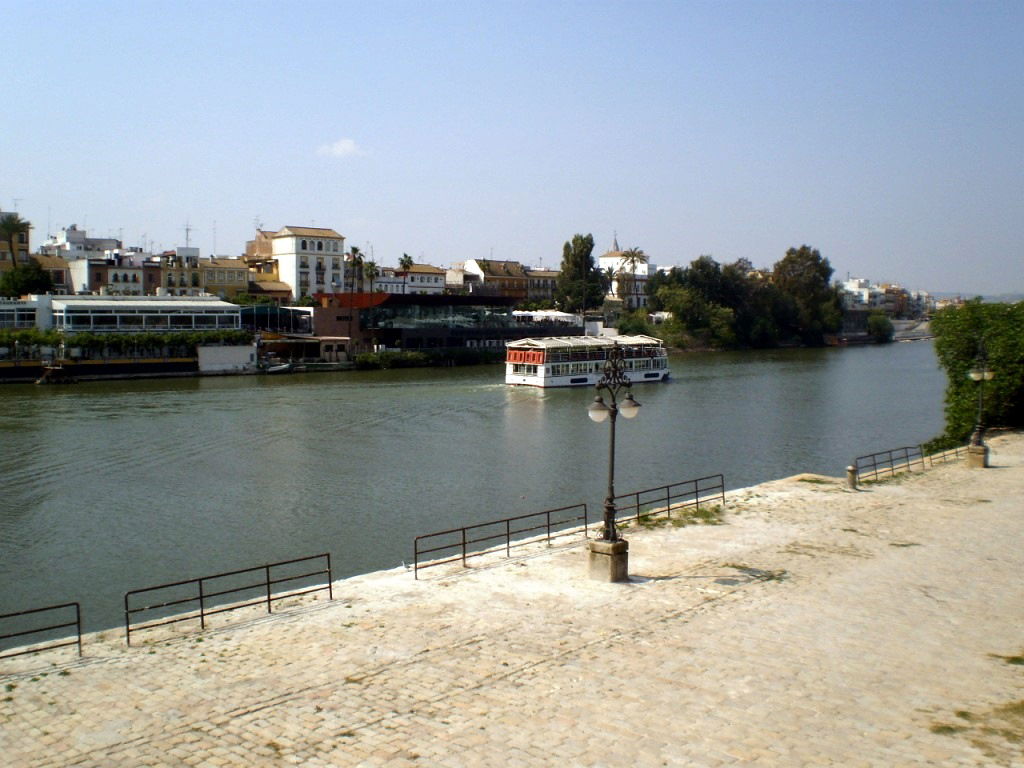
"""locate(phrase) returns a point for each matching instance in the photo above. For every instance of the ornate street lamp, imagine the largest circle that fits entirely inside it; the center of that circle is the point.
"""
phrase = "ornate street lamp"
(980, 373)
(613, 380)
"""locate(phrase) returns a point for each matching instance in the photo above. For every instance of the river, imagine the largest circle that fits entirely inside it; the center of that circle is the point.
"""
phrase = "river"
(112, 486)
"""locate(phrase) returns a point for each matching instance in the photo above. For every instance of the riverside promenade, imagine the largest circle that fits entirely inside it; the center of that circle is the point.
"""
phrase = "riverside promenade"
(817, 626)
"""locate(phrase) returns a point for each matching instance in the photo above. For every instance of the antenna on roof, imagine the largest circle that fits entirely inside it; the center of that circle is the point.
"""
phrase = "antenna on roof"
(188, 233)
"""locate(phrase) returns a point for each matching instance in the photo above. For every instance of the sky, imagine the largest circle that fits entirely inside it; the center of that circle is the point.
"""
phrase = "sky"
(888, 135)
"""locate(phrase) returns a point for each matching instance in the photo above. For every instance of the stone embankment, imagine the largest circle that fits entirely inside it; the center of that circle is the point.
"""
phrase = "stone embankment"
(817, 626)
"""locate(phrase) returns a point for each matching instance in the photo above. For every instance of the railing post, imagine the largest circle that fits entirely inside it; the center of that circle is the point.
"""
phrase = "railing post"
(202, 606)
(266, 570)
(547, 521)
(668, 501)
(127, 622)
(330, 586)
(78, 627)
(463, 547)
(508, 538)
(416, 558)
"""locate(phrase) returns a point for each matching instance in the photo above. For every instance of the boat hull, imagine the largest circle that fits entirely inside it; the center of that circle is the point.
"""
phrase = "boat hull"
(581, 380)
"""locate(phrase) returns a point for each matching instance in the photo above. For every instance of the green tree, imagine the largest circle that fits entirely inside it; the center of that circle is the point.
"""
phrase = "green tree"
(966, 335)
(372, 272)
(31, 278)
(607, 278)
(356, 268)
(356, 262)
(880, 327)
(579, 283)
(405, 264)
(12, 227)
(802, 276)
(247, 299)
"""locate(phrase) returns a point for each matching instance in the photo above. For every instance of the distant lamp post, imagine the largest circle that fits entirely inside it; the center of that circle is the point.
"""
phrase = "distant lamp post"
(980, 373)
(609, 555)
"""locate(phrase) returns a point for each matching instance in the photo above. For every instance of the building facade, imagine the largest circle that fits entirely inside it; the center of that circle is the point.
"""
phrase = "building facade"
(499, 278)
(628, 278)
(421, 279)
(310, 260)
(73, 243)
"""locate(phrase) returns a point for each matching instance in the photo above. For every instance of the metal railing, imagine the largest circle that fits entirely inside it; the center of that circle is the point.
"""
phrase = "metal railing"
(949, 455)
(875, 465)
(476, 540)
(871, 466)
(44, 645)
(207, 598)
(668, 498)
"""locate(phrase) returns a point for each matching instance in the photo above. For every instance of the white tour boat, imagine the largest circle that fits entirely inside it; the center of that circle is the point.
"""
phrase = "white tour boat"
(577, 361)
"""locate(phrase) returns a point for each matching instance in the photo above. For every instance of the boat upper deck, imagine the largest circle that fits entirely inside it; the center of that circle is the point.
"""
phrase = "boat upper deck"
(557, 348)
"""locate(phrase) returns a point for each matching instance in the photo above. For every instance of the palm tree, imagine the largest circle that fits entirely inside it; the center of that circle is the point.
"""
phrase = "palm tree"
(372, 273)
(405, 264)
(608, 276)
(631, 259)
(356, 260)
(12, 227)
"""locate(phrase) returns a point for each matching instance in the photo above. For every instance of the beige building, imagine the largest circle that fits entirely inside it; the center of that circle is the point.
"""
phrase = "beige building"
(540, 285)
(180, 274)
(223, 277)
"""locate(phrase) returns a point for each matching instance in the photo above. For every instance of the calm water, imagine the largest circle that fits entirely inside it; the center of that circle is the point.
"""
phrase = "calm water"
(114, 486)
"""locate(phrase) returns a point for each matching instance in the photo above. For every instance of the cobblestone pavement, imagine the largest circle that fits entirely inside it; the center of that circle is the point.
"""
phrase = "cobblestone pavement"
(818, 626)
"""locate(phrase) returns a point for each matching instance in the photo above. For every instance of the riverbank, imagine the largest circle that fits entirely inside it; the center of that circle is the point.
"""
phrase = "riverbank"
(816, 626)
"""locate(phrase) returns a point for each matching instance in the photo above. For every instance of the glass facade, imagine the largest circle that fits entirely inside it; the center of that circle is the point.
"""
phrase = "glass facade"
(414, 316)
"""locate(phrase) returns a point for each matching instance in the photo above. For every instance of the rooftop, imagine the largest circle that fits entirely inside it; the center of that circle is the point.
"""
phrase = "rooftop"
(585, 342)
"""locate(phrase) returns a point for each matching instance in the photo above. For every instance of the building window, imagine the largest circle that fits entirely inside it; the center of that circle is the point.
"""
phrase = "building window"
(319, 245)
(303, 245)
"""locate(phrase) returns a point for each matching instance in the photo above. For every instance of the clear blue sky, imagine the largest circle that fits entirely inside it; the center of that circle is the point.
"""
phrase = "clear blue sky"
(889, 135)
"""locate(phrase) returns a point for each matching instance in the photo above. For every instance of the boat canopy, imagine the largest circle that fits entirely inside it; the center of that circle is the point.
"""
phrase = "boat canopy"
(584, 342)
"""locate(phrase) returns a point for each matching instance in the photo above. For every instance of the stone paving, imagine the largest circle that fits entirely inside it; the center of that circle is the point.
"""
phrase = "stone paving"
(818, 626)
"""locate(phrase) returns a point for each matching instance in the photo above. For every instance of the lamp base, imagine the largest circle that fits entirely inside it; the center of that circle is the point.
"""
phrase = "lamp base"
(608, 560)
(977, 456)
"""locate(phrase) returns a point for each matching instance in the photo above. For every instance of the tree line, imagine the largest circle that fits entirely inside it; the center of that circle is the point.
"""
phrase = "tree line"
(969, 337)
(716, 305)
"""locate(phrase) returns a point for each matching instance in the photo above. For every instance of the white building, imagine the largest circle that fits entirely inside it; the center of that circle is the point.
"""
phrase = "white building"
(421, 278)
(310, 260)
(387, 281)
(629, 281)
(72, 243)
(18, 314)
(134, 314)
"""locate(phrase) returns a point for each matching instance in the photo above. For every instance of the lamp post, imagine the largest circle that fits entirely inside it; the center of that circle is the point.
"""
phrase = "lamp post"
(980, 373)
(609, 555)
